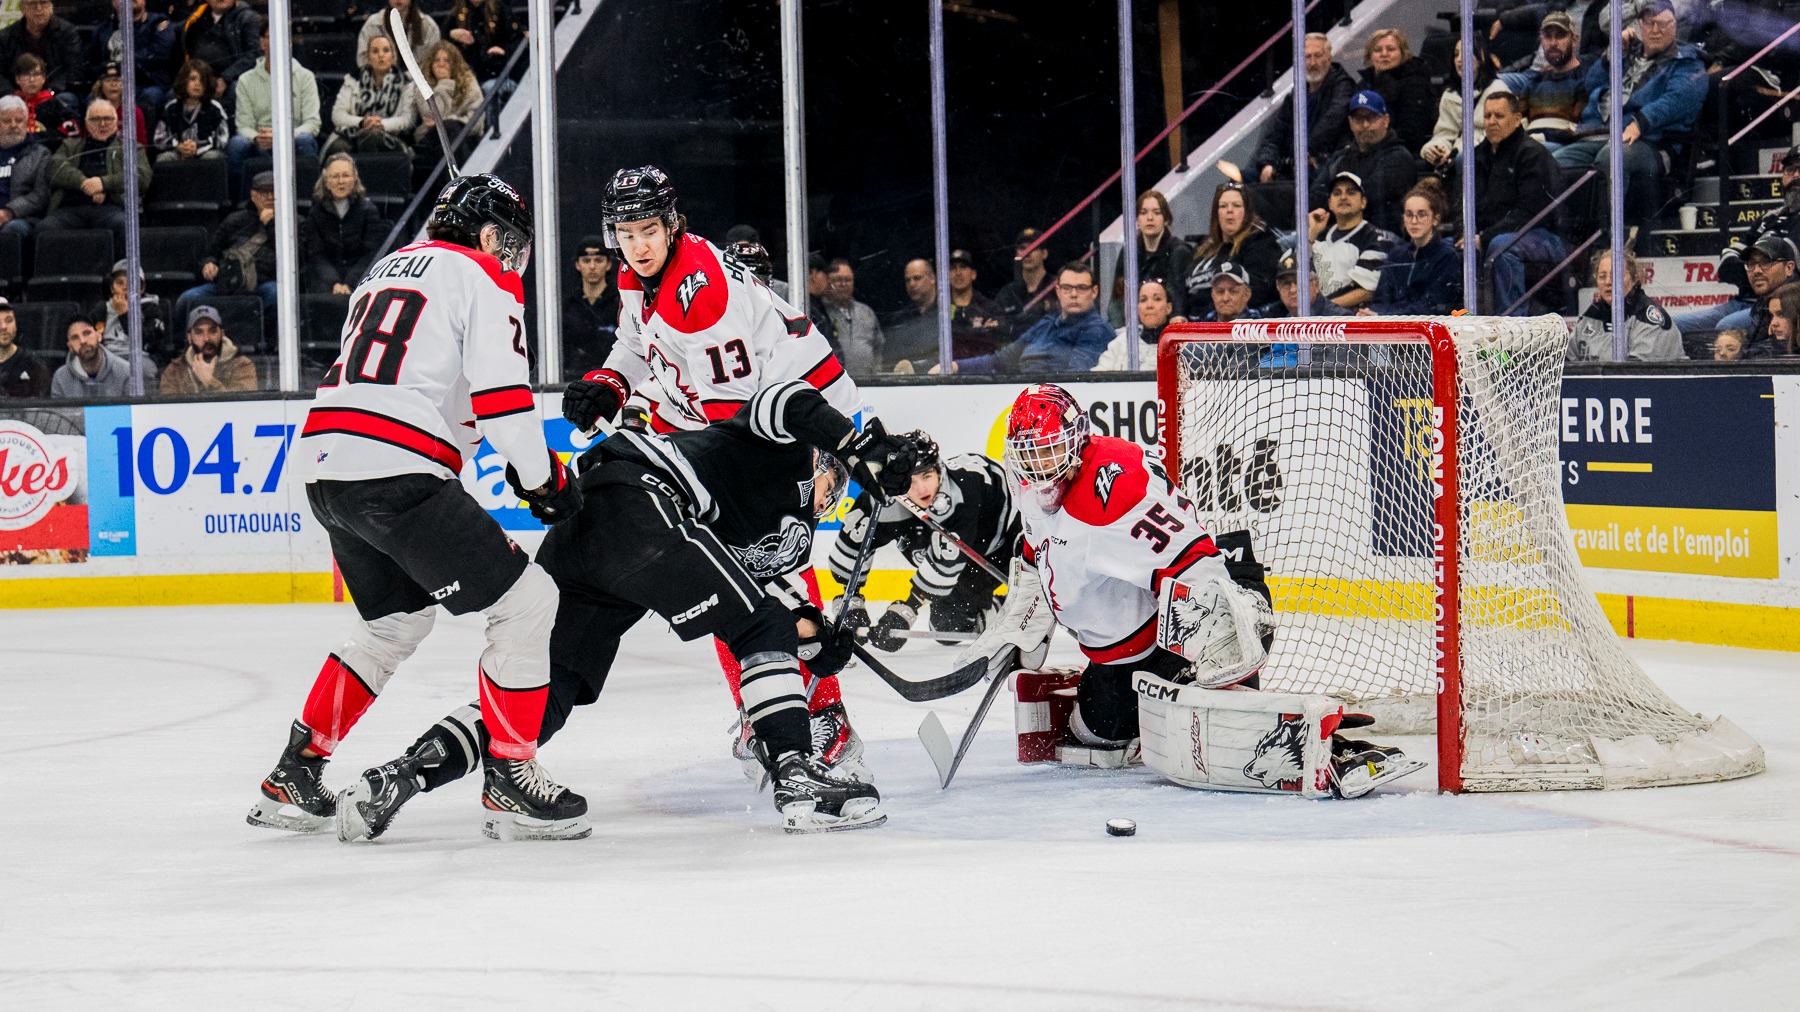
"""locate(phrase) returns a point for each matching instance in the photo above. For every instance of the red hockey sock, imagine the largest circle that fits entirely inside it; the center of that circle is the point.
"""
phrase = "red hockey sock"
(513, 718)
(734, 672)
(338, 699)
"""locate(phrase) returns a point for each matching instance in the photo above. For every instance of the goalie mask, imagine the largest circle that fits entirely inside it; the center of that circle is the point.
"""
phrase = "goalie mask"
(636, 195)
(473, 204)
(1046, 433)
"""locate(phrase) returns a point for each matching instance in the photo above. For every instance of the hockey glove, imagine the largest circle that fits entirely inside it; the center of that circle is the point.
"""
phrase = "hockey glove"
(558, 500)
(853, 617)
(1024, 625)
(826, 651)
(879, 460)
(593, 397)
(900, 615)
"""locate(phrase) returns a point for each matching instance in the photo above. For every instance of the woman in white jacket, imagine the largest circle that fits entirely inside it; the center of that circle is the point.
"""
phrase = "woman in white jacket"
(372, 112)
(1154, 309)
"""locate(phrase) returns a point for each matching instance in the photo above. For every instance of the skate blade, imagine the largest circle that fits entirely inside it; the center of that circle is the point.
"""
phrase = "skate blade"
(1359, 782)
(271, 814)
(351, 826)
(861, 813)
(512, 826)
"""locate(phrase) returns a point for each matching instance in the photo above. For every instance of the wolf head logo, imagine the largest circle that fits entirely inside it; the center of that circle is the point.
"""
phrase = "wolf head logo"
(1279, 761)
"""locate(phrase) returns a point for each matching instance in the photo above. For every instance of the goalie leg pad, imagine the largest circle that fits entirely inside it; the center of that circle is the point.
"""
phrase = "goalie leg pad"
(1238, 739)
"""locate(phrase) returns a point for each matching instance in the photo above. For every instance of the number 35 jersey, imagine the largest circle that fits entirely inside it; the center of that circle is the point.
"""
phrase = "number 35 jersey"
(432, 358)
(1122, 530)
(705, 337)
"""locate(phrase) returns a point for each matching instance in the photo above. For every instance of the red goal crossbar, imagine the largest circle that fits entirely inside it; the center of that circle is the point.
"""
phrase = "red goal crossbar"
(1445, 525)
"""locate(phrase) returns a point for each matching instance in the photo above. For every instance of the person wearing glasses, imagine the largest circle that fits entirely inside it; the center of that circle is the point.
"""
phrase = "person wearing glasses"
(1734, 259)
(87, 176)
(1423, 274)
(1070, 340)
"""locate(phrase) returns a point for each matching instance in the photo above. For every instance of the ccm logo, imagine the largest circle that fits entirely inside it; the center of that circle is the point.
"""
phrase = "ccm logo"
(443, 592)
(695, 610)
(1153, 690)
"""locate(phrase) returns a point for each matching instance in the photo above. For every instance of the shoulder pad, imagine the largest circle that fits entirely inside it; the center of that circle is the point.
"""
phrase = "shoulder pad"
(1112, 481)
(693, 294)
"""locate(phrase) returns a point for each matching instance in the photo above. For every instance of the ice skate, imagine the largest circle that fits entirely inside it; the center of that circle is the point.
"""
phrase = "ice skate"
(523, 803)
(294, 795)
(837, 746)
(1357, 767)
(814, 799)
(367, 808)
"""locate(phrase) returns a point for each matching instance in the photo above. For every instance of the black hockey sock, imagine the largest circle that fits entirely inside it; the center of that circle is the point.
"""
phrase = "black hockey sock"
(462, 738)
(784, 731)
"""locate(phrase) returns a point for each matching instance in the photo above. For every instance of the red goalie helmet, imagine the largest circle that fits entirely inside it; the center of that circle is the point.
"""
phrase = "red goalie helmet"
(1045, 435)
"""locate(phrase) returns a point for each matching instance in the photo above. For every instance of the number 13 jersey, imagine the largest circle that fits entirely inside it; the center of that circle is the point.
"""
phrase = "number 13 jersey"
(432, 359)
(1122, 530)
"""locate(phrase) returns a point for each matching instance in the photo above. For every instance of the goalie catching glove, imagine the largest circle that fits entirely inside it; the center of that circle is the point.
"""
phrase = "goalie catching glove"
(1220, 628)
(1024, 625)
(559, 498)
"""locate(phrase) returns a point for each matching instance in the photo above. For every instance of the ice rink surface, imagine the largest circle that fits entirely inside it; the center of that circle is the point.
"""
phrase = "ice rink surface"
(133, 742)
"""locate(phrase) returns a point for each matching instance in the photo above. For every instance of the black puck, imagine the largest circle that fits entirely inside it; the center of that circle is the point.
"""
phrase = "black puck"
(1121, 827)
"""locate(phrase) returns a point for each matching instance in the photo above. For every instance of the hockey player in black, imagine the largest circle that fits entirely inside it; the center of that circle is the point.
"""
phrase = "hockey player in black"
(692, 525)
(969, 496)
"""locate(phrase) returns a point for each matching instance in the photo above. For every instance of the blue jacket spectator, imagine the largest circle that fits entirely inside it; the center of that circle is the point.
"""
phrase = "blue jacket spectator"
(157, 40)
(1420, 280)
(1069, 341)
(1666, 101)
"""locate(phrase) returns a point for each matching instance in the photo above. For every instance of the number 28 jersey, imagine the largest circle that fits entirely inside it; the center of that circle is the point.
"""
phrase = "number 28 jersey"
(432, 359)
(1122, 530)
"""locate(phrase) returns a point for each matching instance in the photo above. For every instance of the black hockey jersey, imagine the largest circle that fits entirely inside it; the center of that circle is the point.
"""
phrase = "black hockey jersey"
(973, 502)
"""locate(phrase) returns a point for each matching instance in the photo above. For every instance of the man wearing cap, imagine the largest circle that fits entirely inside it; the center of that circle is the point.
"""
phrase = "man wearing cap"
(1031, 293)
(1769, 264)
(155, 38)
(1784, 221)
(1287, 287)
(243, 246)
(113, 319)
(56, 41)
(1230, 295)
(211, 364)
(87, 176)
(1515, 178)
(1383, 167)
(1555, 93)
(1347, 249)
(90, 371)
(856, 330)
(24, 194)
(22, 374)
(974, 319)
(590, 316)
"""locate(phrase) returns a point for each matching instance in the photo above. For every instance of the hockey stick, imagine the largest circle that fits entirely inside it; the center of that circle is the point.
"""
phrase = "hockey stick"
(930, 521)
(932, 634)
(937, 741)
(397, 28)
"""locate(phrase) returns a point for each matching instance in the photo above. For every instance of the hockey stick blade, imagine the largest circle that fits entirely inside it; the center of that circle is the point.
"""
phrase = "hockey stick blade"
(937, 745)
(947, 770)
(403, 45)
(932, 688)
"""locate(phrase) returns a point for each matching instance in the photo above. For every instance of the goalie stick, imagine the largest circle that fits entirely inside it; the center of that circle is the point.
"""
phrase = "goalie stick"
(937, 741)
(962, 546)
(397, 29)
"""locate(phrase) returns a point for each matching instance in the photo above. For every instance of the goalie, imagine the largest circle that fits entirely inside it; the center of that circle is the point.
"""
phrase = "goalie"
(1175, 623)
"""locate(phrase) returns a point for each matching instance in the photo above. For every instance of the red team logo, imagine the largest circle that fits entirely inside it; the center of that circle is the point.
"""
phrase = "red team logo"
(33, 477)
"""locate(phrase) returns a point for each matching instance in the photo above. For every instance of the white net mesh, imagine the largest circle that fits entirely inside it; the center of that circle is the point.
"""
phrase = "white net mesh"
(1329, 464)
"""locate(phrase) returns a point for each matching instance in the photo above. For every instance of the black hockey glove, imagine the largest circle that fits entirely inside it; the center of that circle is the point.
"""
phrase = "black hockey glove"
(900, 615)
(827, 650)
(560, 498)
(593, 397)
(878, 460)
(853, 618)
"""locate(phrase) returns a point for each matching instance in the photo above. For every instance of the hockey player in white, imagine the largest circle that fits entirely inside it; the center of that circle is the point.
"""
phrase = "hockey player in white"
(699, 335)
(1114, 552)
(433, 359)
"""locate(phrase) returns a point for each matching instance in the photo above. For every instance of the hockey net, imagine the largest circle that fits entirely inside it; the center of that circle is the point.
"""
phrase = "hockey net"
(1359, 453)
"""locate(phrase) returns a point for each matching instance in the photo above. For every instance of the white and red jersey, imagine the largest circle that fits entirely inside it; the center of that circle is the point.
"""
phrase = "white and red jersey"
(432, 358)
(711, 336)
(1122, 530)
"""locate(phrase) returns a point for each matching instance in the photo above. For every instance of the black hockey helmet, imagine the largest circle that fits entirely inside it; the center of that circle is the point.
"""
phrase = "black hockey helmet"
(756, 257)
(925, 452)
(471, 203)
(634, 195)
(825, 463)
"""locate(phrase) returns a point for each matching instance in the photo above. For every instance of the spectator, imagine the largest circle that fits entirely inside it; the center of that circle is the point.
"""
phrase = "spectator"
(1734, 313)
(1664, 84)
(211, 364)
(24, 192)
(591, 315)
(1650, 334)
(1377, 157)
(1784, 321)
(1404, 84)
(1236, 233)
(343, 231)
(22, 374)
(372, 112)
(1070, 341)
(1161, 254)
(1347, 256)
(485, 31)
(110, 85)
(1555, 93)
(1423, 274)
(54, 41)
(1287, 286)
(817, 285)
(458, 98)
(1230, 295)
(87, 176)
(91, 371)
(1154, 310)
(48, 117)
(1444, 149)
(242, 256)
(1728, 346)
(155, 38)
(859, 338)
(974, 320)
(1770, 265)
(912, 333)
(115, 322)
(255, 116)
(421, 32)
(1328, 91)
(192, 123)
(1515, 178)
(1032, 291)
(222, 34)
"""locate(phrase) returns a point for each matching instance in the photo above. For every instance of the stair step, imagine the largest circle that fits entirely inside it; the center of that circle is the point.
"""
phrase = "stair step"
(1674, 242)
(1743, 188)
